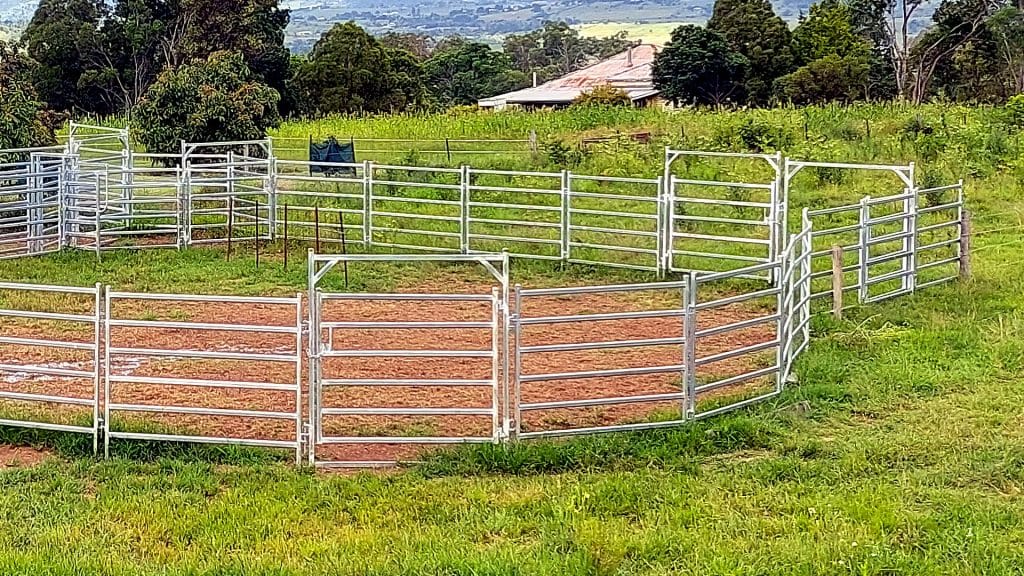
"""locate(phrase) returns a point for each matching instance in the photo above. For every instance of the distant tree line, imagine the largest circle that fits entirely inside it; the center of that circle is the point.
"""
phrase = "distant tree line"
(218, 69)
(847, 50)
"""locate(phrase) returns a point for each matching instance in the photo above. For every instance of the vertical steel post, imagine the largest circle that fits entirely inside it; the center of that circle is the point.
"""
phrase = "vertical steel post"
(367, 204)
(106, 380)
(659, 229)
(690, 343)
(864, 249)
(496, 424)
(298, 379)
(313, 303)
(566, 212)
(97, 425)
(464, 183)
(271, 189)
(516, 319)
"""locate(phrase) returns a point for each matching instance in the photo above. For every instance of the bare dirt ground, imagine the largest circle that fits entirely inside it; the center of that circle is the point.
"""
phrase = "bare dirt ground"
(394, 397)
(21, 456)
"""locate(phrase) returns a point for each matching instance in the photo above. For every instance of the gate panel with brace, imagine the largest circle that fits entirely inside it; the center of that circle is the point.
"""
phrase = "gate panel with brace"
(716, 225)
(393, 373)
(228, 192)
(877, 236)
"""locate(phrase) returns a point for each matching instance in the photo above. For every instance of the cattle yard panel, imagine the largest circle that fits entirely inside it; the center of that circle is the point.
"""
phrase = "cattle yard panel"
(614, 221)
(524, 212)
(160, 349)
(30, 205)
(50, 357)
(640, 342)
(719, 226)
(737, 329)
(448, 352)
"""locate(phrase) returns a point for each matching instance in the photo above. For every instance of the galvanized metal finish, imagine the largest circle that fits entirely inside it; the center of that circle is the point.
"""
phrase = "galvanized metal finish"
(729, 240)
(243, 356)
(322, 348)
(37, 415)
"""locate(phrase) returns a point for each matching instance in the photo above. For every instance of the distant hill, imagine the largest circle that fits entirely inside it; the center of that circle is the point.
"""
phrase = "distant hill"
(489, 20)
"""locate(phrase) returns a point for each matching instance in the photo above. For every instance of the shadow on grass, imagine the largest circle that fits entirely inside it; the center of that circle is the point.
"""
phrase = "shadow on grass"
(80, 446)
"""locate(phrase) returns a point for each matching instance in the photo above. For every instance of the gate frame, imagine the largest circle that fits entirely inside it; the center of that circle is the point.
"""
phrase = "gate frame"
(319, 265)
(907, 175)
(778, 215)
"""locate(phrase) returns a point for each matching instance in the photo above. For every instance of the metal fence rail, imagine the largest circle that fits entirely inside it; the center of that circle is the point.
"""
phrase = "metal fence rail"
(244, 364)
(30, 206)
(42, 340)
(594, 339)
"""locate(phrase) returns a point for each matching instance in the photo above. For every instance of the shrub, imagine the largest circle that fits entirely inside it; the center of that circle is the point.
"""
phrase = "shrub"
(604, 95)
(1015, 105)
(209, 100)
(561, 154)
(761, 136)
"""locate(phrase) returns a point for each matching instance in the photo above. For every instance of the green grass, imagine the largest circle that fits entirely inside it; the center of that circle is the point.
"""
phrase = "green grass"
(899, 451)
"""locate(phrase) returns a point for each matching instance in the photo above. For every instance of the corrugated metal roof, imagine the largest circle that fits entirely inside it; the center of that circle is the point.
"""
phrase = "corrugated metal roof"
(630, 70)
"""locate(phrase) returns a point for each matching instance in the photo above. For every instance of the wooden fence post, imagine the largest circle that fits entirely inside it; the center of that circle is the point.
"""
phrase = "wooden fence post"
(965, 245)
(285, 237)
(837, 281)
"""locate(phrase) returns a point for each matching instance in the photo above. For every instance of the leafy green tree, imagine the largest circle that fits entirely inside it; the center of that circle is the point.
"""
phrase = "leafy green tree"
(604, 95)
(23, 121)
(754, 30)
(207, 100)
(828, 79)
(827, 30)
(956, 23)
(349, 70)
(1007, 29)
(557, 49)
(130, 55)
(62, 38)
(698, 66)
(835, 59)
(253, 27)
(462, 72)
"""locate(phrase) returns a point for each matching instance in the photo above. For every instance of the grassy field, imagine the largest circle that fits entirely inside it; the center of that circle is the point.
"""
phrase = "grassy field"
(647, 32)
(899, 451)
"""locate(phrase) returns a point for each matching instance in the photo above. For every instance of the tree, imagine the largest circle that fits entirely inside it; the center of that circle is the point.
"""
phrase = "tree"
(828, 30)
(956, 22)
(255, 28)
(603, 95)
(835, 59)
(129, 57)
(557, 49)
(61, 38)
(754, 30)
(1007, 29)
(216, 99)
(101, 59)
(349, 70)
(23, 121)
(913, 61)
(698, 66)
(827, 79)
(419, 45)
(463, 72)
